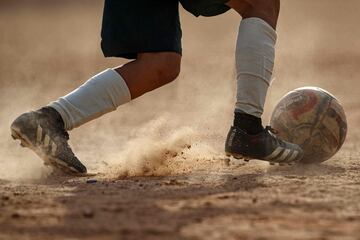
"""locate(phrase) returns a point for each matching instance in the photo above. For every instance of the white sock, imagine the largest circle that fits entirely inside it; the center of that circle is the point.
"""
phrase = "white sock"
(101, 94)
(255, 54)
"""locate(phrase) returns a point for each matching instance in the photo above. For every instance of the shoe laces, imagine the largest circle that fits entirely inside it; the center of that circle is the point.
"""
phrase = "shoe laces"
(66, 150)
(273, 133)
(271, 130)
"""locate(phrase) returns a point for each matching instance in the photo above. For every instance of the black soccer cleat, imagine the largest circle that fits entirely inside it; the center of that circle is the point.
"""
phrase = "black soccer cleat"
(263, 146)
(42, 132)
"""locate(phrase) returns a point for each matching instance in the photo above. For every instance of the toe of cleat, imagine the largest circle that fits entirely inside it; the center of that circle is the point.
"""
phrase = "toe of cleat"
(247, 159)
(238, 157)
(22, 142)
(281, 164)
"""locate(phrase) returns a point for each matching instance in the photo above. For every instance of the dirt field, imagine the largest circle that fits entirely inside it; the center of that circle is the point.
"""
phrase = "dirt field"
(150, 183)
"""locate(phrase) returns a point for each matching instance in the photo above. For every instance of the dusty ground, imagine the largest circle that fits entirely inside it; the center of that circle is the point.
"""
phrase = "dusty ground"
(149, 193)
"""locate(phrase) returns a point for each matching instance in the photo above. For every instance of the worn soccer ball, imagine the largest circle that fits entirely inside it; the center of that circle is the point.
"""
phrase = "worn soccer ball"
(312, 118)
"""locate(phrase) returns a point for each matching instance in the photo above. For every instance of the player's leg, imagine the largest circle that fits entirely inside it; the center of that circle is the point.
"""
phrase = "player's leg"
(255, 54)
(45, 130)
(111, 88)
(156, 47)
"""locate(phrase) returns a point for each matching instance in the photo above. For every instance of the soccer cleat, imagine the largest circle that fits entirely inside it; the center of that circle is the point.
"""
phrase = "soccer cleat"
(42, 132)
(263, 146)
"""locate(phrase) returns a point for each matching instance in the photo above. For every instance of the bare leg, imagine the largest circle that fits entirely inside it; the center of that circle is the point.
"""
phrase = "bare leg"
(268, 10)
(150, 71)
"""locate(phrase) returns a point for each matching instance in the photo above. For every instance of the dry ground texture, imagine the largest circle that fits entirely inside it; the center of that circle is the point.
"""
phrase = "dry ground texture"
(151, 184)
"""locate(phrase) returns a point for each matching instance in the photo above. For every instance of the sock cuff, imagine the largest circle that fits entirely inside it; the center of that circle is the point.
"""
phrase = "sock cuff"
(260, 24)
(120, 86)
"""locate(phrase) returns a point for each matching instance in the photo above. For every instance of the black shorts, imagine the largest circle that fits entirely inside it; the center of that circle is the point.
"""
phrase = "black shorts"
(130, 27)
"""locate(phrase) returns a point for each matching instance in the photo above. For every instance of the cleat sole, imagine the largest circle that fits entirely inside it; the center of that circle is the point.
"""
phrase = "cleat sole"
(247, 159)
(238, 156)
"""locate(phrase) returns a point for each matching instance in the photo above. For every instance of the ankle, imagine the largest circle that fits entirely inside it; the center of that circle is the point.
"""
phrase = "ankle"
(55, 115)
(248, 123)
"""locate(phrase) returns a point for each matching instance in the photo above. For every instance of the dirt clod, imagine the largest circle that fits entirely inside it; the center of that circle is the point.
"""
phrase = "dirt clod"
(88, 213)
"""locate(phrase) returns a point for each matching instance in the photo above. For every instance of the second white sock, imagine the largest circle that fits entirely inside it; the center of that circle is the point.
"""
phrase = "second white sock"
(255, 54)
(101, 94)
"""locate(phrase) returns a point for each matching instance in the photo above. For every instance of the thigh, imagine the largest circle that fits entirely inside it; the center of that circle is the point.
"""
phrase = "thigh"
(205, 7)
(130, 27)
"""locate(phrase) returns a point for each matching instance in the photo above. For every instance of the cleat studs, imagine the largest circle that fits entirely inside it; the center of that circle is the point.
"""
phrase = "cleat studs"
(272, 164)
(236, 156)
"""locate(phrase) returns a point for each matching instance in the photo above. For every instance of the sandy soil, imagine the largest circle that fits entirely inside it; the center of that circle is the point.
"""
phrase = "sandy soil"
(163, 189)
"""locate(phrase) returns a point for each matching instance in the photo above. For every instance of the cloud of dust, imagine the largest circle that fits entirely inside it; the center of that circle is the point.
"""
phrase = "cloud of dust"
(150, 149)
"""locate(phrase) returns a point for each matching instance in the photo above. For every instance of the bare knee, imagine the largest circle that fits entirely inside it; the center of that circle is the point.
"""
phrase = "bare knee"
(168, 67)
(164, 65)
(268, 10)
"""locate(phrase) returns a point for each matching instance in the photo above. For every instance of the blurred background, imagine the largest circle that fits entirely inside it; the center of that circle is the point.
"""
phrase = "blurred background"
(48, 48)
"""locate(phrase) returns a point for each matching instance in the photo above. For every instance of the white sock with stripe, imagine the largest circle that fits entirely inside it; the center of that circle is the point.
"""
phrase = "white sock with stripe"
(101, 94)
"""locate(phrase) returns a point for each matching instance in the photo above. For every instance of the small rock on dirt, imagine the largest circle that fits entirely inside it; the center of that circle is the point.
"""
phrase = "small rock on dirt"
(15, 215)
(91, 181)
(88, 213)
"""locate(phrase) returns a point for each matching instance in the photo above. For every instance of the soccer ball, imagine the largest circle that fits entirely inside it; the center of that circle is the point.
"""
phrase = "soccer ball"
(312, 118)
